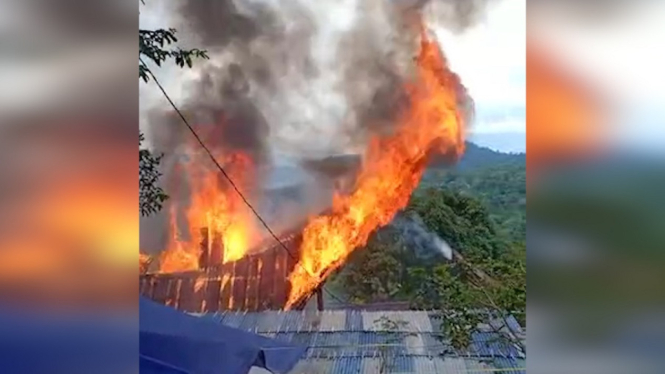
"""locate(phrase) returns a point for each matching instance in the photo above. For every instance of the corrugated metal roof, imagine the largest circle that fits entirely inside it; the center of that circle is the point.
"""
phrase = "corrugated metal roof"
(357, 342)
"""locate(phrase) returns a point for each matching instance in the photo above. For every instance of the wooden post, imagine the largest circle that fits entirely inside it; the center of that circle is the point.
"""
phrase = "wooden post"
(212, 251)
(217, 250)
(319, 298)
(205, 249)
(267, 281)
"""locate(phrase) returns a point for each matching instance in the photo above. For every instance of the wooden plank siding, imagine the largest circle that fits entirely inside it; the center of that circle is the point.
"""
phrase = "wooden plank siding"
(254, 283)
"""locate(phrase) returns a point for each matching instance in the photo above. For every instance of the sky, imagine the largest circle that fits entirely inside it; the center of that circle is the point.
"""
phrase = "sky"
(617, 50)
(491, 60)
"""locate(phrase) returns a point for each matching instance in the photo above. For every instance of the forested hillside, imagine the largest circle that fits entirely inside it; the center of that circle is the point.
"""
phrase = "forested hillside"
(497, 179)
(476, 157)
(479, 210)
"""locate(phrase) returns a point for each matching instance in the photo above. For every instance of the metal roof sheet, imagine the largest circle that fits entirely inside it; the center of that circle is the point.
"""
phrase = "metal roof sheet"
(315, 365)
(425, 364)
(451, 365)
(354, 321)
(352, 341)
(333, 320)
(270, 321)
(347, 365)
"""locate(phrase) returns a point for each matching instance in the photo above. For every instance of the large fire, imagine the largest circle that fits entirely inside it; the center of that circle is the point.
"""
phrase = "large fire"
(216, 207)
(392, 169)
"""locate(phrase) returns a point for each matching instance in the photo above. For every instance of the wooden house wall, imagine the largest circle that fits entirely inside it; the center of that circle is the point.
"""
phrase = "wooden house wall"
(254, 283)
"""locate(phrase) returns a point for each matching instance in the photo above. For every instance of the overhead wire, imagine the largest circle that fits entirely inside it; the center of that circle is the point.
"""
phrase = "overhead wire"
(231, 182)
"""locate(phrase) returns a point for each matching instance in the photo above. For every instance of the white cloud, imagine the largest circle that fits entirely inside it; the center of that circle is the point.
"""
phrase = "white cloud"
(491, 60)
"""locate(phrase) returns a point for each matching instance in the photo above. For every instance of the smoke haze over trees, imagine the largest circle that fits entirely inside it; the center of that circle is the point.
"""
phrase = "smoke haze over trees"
(479, 212)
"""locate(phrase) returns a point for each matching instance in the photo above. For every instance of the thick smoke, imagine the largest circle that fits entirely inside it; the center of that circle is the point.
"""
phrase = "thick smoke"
(311, 78)
(308, 79)
(376, 55)
(454, 15)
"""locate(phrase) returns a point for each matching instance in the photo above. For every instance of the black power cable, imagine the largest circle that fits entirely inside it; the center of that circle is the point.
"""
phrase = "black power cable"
(226, 175)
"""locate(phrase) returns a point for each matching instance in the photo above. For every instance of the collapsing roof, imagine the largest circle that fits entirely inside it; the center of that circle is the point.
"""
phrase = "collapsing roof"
(352, 341)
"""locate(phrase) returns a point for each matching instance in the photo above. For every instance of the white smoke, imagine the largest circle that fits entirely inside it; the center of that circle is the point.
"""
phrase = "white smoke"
(443, 247)
(416, 236)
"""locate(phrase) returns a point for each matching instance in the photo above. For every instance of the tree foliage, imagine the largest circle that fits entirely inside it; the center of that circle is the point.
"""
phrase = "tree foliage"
(381, 259)
(477, 157)
(497, 179)
(392, 333)
(461, 220)
(441, 290)
(465, 300)
(501, 188)
(485, 283)
(155, 46)
(151, 195)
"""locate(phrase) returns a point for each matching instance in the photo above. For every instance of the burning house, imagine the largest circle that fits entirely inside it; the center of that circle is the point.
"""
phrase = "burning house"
(253, 283)
(258, 280)
(342, 170)
(218, 256)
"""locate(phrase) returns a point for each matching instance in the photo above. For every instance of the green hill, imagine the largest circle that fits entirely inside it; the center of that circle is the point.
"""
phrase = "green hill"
(498, 179)
(476, 157)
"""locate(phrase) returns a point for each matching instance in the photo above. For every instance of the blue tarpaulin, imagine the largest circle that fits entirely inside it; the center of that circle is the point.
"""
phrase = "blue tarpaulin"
(162, 341)
(180, 343)
(148, 365)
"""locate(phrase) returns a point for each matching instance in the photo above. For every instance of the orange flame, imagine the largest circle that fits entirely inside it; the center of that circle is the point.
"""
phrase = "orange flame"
(215, 206)
(144, 262)
(180, 255)
(393, 168)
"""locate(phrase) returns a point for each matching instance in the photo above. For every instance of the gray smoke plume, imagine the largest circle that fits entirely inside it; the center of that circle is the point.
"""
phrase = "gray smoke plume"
(454, 15)
(313, 77)
(415, 235)
(308, 79)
